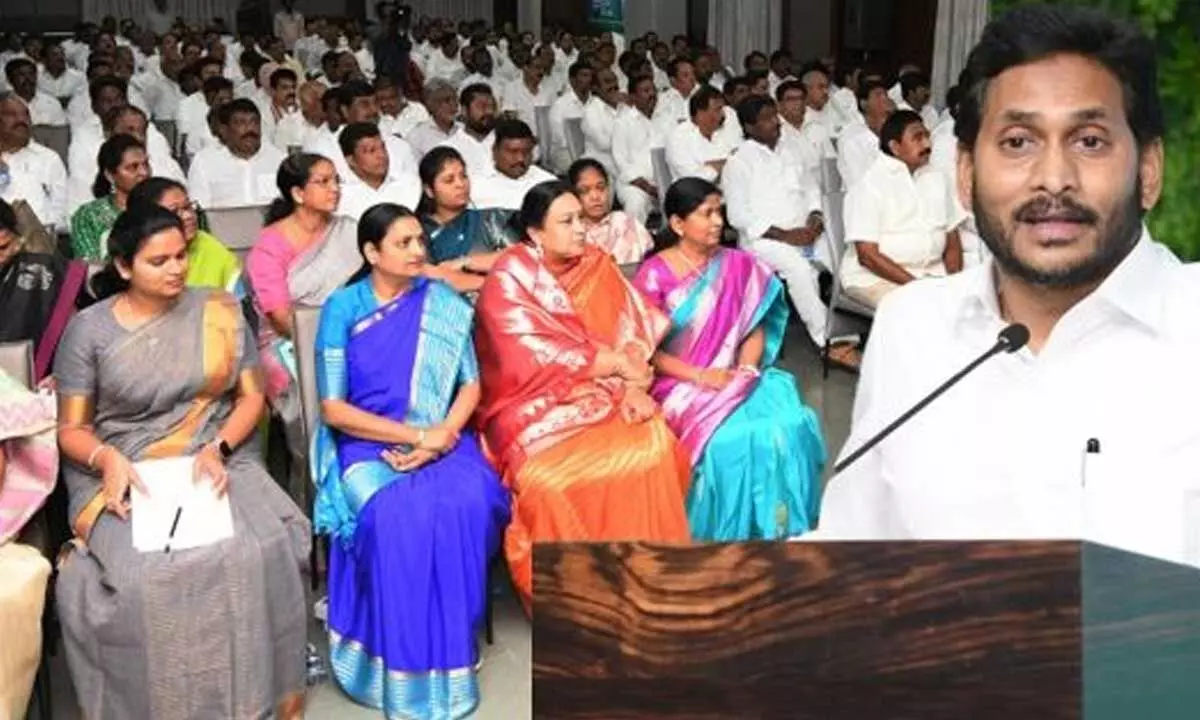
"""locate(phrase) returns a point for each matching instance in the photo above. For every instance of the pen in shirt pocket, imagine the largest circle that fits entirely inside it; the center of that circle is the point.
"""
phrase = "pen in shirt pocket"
(1091, 453)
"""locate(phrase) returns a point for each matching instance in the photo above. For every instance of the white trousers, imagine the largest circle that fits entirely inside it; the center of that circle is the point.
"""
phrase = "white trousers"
(802, 277)
(636, 202)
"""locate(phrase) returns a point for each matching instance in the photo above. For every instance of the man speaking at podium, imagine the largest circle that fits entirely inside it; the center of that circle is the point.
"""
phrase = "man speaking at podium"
(1091, 429)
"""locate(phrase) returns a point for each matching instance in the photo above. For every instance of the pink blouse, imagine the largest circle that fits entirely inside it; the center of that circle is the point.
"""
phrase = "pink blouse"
(623, 237)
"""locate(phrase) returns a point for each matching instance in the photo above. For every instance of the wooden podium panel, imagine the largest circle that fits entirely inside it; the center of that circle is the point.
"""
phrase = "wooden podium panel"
(918, 630)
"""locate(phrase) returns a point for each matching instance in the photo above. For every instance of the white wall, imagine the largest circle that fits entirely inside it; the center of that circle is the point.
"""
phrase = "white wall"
(666, 17)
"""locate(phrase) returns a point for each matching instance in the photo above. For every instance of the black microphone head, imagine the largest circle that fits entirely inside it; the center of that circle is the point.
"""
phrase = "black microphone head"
(1014, 337)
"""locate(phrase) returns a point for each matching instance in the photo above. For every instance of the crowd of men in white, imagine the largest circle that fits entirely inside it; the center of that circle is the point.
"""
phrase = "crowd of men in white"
(310, 79)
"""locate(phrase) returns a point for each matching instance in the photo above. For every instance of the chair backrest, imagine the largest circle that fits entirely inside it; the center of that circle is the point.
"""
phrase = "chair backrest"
(16, 360)
(541, 119)
(629, 270)
(57, 138)
(835, 227)
(237, 227)
(831, 177)
(305, 321)
(573, 129)
(662, 172)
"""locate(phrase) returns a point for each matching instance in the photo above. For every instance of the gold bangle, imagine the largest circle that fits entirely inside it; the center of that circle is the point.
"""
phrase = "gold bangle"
(91, 462)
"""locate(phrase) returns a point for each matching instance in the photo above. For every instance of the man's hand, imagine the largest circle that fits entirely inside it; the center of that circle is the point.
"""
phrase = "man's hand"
(647, 187)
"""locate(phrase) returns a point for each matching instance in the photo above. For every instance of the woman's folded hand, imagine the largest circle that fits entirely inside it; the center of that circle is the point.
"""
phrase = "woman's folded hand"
(637, 406)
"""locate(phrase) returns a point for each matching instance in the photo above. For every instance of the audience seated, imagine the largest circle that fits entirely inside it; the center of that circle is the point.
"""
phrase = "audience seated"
(217, 92)
(805, 143)
(22, 76)
(240, 170)
(697, 148)
(757, 451)
(210, 263)
(282, 121)
(613, 231)
(414, 509)
(28, 471)
(635, 137)
(673, 104)
(122, 163)
(397, 114)
(474, 139)
(570, 106)
(36, 173)
(915, 89)
(56, 78)
(158, 370)
(568, 420)
(902, 218)
(373, 178)
(600, 117)
(463, 242)
(512, 172)
(820, 112)
(858, 147)
(356, 104)
(441, 102)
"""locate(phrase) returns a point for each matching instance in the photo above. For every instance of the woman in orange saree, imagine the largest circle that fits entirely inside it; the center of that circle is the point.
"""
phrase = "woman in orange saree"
(564, 343)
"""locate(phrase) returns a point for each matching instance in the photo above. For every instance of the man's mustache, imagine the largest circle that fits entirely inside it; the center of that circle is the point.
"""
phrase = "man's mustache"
(1062, 209)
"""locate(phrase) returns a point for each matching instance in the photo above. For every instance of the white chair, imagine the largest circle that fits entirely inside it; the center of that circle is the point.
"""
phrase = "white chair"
(541, 118)
(573, 129)
(55, 137)
(236, 227)
(845, 315)
(662, 173)
(16, 360)
(831, 177)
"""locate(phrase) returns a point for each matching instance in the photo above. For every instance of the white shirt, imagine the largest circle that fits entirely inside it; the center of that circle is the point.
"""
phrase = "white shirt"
(688, 151)
(847, 105)
(634, 136)
(828, 117)
(929, 114)
(358, 197)
(193, 112)
(45, 110)
(945, 148)
(907, 214)
(599, 123)
(366, 62)
(517, 98)
(477, 154)
(730, 133)
(451, 70)
(858, 148)
(672, 109)
(219, 179)
(77, 53)
(82, 163)
(764, 188)
(285, 131)
(496, 190)
(662, 81)
(401, 156)
(774, 81)
(427, 135)
(492, 82)
(37, 176)
(567, 107)
(289, 27)
(805, 145)
(62, 87)
(1001, 456)
(167, 100)
(411, 115)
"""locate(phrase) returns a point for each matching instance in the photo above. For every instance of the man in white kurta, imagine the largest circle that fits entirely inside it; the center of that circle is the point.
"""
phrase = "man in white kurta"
(569, 106)
(858, 148)
(522, 97)
(357, 104)
(474, 139)
(599, 120)
(672, 108)
(241, 170)
(697, 148)
(807, 143)
(56, 78)
(371, 180)
(43, 109)
(915, 88)
(512, 173)
(1004, 454)
(902, 217)
(441, 100)
(35, 173)
(635, 137)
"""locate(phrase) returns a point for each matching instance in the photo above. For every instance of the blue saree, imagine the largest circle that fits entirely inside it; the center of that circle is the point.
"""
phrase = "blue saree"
(408, 564)
(757, 450)
(474, 232)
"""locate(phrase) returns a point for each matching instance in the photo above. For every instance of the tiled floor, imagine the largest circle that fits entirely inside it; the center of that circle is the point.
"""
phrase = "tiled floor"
(504, 679)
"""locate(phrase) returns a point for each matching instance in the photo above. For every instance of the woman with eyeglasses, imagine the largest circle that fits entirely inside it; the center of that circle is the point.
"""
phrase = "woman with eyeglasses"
(210, 263)
(303, 254)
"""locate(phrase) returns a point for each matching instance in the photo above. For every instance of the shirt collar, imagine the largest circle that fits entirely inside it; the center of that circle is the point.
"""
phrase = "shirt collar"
(1134, 288)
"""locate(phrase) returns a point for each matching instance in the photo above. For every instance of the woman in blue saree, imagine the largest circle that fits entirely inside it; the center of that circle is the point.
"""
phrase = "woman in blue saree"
(414, 509)
(464, 242)
(757, 450)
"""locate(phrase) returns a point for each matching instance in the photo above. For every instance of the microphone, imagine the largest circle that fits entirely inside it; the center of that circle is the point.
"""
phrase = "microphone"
(1011, 339)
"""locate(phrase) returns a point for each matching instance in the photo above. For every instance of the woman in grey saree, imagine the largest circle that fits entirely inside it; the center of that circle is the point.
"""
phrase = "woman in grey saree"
(158, 370)
(304, 253)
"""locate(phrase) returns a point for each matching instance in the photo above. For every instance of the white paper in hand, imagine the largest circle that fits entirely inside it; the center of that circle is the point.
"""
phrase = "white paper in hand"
(206, 518)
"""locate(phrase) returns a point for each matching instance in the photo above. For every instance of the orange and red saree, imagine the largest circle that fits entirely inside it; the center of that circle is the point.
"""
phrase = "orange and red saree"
(577, 470)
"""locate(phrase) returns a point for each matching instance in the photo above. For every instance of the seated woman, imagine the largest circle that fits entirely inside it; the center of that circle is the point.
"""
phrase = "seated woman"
(611, 230)
(38, 293)
(564, 343)
(304, 253)
(28, 471)
(415, 509)
(463, 241)
(158, 370)
(757, 450)
(122, 161)
(210, 263)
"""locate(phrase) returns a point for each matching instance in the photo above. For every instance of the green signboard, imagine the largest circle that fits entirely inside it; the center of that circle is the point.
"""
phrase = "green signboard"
(606, 14)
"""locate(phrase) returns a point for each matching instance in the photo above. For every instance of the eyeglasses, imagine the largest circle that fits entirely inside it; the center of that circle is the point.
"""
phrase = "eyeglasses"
(192, 209)
(327, 183)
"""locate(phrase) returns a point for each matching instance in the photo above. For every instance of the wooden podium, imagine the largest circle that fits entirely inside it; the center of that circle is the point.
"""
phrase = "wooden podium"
(891, 630)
